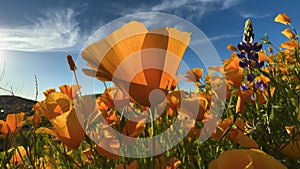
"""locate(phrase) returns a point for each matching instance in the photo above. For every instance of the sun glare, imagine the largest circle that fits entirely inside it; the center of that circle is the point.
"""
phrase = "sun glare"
(2, 56)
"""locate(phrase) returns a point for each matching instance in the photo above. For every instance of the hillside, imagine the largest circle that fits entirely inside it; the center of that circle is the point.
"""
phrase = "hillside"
(14, 104)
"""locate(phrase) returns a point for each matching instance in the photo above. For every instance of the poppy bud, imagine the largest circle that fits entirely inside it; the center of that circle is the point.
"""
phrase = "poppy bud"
(71, 63)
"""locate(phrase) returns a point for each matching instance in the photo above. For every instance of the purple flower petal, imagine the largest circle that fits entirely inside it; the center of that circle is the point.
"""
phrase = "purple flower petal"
(253, 56)
(244, 87)
(244, 63)
(250, 77)
(241, 55)
(252, 97)
(257, 46)
(259, 64)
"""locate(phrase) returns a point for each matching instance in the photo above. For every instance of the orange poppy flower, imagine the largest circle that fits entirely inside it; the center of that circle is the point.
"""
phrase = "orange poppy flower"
(235, 134)
(288, 33)
(189, 107)
(71, 91)
(35, 118)
(19, 153)
(12, 123)
(111, 98)
(164, 163)
(245, 96)
(292, 148)
(233, 72)
(289, 44)
(59, 110)
(262, 56)
(66, 128)
(194, 75)
(55, 104)
(239, 158)
(48, 91)
(263, 78)
(133, 128)
(282, 18)
(137, 60)
(173, 101)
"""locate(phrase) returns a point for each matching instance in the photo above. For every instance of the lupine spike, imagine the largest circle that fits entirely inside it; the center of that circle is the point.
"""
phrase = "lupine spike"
(248, 32)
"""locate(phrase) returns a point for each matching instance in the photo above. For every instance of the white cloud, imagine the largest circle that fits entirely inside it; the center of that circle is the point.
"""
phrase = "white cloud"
(253, 15)
(55, 30)
(192, 10)
(216, 38)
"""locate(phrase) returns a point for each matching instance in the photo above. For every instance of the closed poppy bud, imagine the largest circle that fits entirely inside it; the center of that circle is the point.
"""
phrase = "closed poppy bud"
(288, 33)
(270, 49)
(231, 47)
(282, 18)
(71, 63)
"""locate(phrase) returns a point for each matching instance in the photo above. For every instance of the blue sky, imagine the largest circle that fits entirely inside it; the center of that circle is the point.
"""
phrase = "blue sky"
(36, 36)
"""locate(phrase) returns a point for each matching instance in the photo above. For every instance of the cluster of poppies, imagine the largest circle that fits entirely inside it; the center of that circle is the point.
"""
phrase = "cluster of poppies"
(250, 133)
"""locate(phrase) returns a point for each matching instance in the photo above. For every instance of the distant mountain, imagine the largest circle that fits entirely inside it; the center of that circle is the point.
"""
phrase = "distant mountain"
(14, 104)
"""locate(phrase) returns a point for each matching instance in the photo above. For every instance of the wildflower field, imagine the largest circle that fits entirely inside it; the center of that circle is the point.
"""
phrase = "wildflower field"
(257, 128)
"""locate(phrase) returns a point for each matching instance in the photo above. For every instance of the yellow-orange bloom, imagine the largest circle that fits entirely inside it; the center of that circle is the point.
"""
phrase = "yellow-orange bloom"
(263, 78)
(12, 123)
(262, 56)
(19, 153)
(240, 159)
(35, 118)
(288, 33)
(71, 91)
(173, 101)
(233, 72)
(133, 128)
(138, 60)
(289, 44)
(235, 134)
(112, 97)
(58, 108)
(282, 18)
(292, 149)
(55, 104)
(66, 128)
(164, 163)
(48, 91)
(194, 75)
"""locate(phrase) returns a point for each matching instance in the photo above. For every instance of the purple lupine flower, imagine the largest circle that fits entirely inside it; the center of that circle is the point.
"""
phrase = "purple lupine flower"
(252, 97)
(244, 63)
(244, 87)
(241, 55)
(253, 56)
(259, 64)
(250, 77)
(260, 85)
(257, 46)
